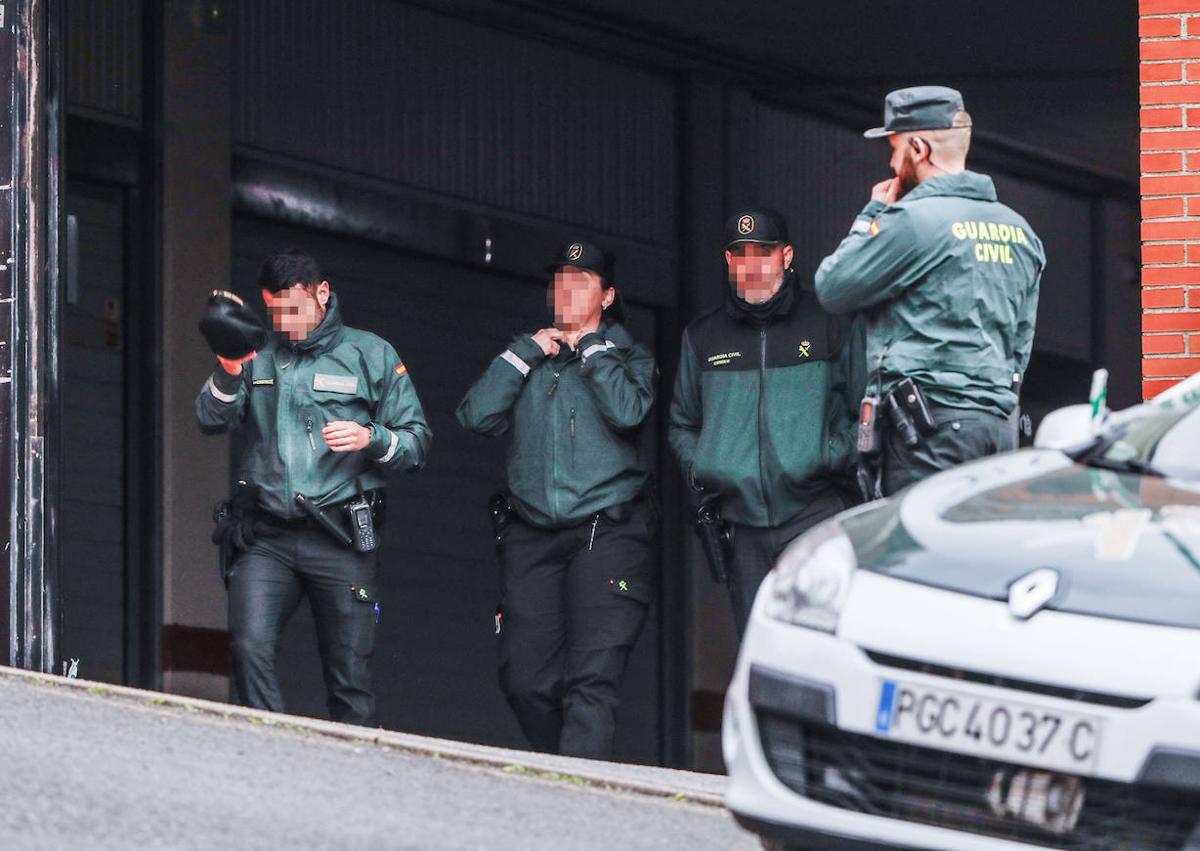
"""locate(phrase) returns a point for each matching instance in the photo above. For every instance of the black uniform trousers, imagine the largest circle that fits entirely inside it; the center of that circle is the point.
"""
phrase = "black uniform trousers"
(755, 549)
(962, 436)
(266, 585)
(573, 602)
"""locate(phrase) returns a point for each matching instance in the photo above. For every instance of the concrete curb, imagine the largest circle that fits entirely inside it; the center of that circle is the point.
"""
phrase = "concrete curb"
(673, 784)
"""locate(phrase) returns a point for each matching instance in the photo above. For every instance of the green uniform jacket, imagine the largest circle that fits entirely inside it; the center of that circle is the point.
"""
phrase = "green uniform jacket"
(574, 420)
(286, 395)
(950, 279)
(766, 405)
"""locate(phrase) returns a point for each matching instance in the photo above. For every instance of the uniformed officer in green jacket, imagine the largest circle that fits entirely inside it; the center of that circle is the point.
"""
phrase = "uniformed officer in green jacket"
(576, 527)
(949, 278)
(326, 411)
(765, 404)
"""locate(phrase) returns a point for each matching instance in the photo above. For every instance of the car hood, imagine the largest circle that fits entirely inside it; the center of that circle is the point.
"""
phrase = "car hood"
(1124, 546)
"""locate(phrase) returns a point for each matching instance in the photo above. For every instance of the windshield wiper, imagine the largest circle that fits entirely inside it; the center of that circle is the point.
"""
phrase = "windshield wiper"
(1092, 454)
(1123, 465)
(1095, 447)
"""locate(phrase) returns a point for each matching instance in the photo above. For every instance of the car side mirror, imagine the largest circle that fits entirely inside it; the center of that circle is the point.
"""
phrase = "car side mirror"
(1064, 428)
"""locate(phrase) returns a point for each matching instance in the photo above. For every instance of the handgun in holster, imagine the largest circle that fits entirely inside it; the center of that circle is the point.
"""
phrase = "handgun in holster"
(501, 513)
(715, 538)
(222, 516)
(240, 508)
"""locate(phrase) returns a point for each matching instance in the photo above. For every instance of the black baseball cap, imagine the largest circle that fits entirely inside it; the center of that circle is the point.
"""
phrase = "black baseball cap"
(585, 255)
(918, 108)
(763, 226)
(231, 328)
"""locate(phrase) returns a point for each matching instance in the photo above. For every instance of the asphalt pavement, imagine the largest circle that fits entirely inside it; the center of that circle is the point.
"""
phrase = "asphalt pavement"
(96, 767)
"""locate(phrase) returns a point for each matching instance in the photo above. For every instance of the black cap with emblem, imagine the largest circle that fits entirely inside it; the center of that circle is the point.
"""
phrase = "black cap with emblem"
(763, 226)
(231, 328)
(584, 255)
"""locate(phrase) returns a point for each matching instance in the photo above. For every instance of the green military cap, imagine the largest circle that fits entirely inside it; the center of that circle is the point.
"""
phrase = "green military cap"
(918, 108)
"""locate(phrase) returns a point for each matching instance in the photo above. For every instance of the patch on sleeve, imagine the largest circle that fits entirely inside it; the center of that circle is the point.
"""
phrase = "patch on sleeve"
(874, 229)
(401, 369)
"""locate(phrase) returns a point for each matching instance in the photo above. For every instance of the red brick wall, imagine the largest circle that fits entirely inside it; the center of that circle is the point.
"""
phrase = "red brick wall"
(1170, 144)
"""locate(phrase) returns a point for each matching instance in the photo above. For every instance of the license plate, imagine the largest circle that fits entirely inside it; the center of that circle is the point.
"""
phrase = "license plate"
(998, 729)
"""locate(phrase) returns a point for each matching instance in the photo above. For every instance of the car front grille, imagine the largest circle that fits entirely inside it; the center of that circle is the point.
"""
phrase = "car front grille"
(1082, 695)
(910, 783)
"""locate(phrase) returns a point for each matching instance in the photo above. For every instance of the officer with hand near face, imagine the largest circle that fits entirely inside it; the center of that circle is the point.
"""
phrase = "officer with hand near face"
(323, 411)
(948, 278)
(576, 526)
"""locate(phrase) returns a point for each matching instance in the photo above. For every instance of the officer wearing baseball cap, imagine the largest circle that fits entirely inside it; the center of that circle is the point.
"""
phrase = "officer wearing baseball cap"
(765, 403)
(950, 277)
(575, 527)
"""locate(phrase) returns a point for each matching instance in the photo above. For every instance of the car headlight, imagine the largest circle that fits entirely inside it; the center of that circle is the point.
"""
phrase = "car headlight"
(809, 584)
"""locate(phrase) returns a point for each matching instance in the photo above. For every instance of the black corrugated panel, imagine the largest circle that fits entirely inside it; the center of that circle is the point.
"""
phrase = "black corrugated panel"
(381, 89)
(104, 58)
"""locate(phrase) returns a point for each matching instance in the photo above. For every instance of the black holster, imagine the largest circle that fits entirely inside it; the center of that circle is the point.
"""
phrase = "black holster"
(501, 513)
(223, 518)
(716, 539)
(234, 520)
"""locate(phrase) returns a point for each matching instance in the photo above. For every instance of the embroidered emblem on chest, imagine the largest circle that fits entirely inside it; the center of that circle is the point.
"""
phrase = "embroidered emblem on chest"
(722, 358)
(335, 383)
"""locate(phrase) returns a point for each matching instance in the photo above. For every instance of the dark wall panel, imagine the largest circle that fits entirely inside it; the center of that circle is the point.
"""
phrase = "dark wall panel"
(104, 58)
(435, 664)
(93, 499)
(378, 88)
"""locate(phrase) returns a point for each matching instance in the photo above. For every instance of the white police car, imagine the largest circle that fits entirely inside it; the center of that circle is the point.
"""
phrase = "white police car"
(1006, 655)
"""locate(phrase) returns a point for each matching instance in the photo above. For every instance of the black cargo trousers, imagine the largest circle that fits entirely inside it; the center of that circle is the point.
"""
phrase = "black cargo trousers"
(573, 602)
(962, 435)
(267, 583)
(754, 551)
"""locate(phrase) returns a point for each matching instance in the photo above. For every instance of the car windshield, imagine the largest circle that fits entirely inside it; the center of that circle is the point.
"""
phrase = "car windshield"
(1165, 436)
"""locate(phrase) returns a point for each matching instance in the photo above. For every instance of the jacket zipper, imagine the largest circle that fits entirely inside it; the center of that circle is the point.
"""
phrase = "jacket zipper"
(308, 427)
(572, 437)
(762, 420)
(285, 392)
(554, 451)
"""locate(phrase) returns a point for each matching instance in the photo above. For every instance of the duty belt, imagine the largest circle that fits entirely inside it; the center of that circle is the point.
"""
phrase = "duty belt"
(377, 498)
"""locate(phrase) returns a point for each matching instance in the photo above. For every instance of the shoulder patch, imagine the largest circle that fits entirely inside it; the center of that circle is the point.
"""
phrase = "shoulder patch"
(401, 369)
(874, 228)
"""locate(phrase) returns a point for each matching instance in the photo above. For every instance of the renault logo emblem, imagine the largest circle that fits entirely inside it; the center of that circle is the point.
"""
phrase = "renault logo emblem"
(745, 225)
(1031, 592)
(575, 251)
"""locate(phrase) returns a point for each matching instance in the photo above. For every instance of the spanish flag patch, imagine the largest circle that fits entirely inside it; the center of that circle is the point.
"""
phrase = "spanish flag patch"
(874, 228)
(401, 369)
